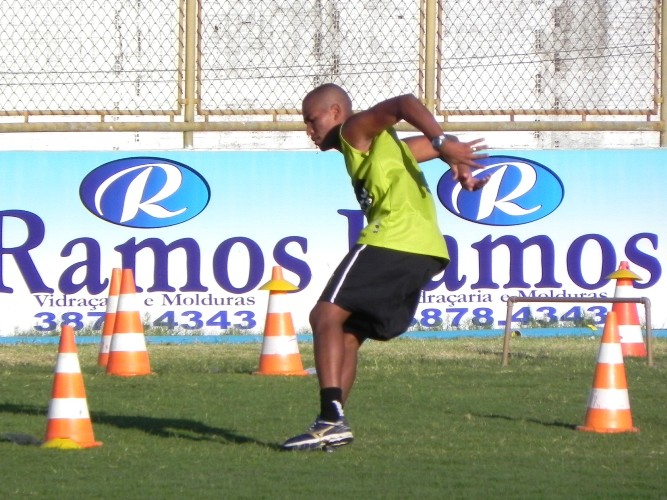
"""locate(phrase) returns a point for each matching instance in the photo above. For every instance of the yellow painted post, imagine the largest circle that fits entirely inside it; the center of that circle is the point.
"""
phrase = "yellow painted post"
(431, 40)
(190, 68)
(663, 73)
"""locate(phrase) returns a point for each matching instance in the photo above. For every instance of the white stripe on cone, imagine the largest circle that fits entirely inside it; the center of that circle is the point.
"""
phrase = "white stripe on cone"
(610, 354)
(624, 291)
(280, 345)
(67, 362)
(112, 304)
(68, 408)
(105, 346)
(122, 342)
(278, 304)
(609, 399)
(127, 302)
(630, 333)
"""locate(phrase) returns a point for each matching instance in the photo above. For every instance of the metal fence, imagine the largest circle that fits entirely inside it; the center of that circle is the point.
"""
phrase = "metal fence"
(197, 65)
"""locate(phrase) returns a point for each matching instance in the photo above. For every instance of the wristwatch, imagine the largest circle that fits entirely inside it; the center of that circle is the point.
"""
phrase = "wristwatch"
(437, 142)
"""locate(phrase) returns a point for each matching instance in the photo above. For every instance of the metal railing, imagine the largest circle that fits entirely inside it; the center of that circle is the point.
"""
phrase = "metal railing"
(645, 301)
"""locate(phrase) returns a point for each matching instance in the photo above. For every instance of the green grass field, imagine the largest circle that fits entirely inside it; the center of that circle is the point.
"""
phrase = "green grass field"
(432, 419)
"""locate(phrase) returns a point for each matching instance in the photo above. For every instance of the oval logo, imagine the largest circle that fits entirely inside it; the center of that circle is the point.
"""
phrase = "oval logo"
(519, 191)
(144, 192)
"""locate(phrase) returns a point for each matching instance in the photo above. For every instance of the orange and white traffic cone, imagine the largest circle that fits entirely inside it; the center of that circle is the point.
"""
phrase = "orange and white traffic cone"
(632, 341)
(69, 425)
(127, 353)
(609, 402)
(109, 317)
(280, 350)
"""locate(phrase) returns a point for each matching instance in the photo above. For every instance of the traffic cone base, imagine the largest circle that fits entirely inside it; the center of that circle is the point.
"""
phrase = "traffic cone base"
(75, 427)
(609, 411)
(62, 444)
(609, 402)
(129, 364)
(622, 422)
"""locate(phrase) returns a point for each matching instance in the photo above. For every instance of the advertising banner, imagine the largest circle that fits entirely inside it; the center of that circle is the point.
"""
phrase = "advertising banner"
(203, 230)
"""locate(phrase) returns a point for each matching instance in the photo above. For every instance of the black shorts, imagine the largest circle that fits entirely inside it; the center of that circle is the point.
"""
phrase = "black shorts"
(381, 288)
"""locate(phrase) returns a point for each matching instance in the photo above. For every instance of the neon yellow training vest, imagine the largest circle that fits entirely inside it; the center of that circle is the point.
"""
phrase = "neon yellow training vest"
(393, 193)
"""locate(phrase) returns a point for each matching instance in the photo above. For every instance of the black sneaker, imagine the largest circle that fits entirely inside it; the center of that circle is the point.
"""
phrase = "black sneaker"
(322, 435)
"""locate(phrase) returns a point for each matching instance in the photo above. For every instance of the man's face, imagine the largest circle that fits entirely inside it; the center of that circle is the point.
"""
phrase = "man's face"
(320, 119)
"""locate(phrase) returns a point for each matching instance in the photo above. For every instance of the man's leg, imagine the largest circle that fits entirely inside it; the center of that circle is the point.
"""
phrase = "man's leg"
(335, 358)
(352, 344)
(327, 320)
(335, 361)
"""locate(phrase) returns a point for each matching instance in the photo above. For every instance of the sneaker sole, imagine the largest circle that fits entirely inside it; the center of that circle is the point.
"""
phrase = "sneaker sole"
(324, 444)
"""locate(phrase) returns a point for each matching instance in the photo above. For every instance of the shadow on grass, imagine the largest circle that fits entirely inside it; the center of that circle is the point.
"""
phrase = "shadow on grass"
(181, 428)
(555, 423)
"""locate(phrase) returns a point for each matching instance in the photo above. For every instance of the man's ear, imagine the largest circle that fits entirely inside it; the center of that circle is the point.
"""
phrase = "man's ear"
(337, 110)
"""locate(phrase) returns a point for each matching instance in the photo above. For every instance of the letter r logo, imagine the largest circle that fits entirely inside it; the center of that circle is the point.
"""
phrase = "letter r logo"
(519, 191)
(144, 192)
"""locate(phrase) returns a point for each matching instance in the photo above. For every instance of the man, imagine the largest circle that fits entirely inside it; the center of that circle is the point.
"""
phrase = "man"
(374, 292)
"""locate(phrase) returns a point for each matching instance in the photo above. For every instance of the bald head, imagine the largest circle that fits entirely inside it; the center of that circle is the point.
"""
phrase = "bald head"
(327, 95)
(324, 111)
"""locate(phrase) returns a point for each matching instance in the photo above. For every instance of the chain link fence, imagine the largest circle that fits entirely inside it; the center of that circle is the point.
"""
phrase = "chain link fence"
(252, 61)
(265, 58)
(59, 57)
(549, 57)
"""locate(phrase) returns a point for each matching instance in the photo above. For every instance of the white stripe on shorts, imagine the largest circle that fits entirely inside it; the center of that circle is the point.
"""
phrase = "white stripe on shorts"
(347, 270)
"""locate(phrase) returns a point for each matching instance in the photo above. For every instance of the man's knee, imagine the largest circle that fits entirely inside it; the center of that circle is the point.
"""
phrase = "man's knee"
(325, 315)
